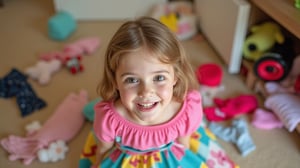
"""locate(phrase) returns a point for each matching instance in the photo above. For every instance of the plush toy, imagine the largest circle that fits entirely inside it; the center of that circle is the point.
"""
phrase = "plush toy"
(43, 70)
(72, 53)
(55, 152)
(286, 106)
(83, 46)
(262, 38)
(74, 64)
(209, 76)
(178, 16)
(63, 125)
(61, 26)
(297, 4)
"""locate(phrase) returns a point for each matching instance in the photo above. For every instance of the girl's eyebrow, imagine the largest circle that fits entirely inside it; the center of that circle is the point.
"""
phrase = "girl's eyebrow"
(154, 72)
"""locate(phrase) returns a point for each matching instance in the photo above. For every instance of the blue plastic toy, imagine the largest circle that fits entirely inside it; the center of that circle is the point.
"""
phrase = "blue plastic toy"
(61, 26)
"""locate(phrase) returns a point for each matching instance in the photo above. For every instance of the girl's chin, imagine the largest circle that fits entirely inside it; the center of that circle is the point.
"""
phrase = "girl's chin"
(149, 117)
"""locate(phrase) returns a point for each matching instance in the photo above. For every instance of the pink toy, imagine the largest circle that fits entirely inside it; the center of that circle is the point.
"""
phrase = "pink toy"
(63, 125)
(43, 70)
(83, 46)
(209, 76)
(264, 119)
(74, 64)
(51, 55)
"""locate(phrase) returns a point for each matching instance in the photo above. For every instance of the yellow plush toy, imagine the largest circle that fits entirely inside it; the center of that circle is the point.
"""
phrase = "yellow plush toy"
(262, 38)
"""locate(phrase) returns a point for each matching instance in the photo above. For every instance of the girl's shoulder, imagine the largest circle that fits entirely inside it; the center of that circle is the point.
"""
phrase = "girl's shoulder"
(185, 121)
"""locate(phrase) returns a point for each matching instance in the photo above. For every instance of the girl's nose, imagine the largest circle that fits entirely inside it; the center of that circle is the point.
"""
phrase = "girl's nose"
(145, 90)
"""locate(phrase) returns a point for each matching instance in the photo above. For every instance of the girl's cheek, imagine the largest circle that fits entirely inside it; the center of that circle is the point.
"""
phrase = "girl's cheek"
(165, 91)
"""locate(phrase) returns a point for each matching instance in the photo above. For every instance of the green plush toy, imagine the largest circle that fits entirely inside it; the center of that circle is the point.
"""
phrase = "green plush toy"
(262, 39)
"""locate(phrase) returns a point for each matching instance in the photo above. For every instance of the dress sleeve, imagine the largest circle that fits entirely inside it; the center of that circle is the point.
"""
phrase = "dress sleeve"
(103, 127)
(194, 111)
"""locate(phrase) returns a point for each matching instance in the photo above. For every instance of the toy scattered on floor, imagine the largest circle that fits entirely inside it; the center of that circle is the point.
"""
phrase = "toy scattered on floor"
(237, 133)
(209, 76)
(84, 46)
(88, 110)
(71, 54)
(43, 70)
(178, 16)
(285, 105)
(230, 108)
(15, 84)
(55, 152)
(74, 64)
(297, 4)
(275, 64)
(33, 127)
(262, 38)
(61, 26)
(266, 120)
(63, 125)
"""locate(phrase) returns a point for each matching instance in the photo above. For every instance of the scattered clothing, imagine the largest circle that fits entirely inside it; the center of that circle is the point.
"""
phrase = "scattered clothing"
(15, 84)
(237, 133)
(230, 108)
(265, 120)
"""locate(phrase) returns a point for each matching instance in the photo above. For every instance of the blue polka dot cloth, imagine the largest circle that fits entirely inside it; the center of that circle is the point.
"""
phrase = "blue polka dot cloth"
(15, 84)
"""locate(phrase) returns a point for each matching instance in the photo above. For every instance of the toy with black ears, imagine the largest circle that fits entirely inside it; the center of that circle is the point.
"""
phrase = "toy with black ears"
(261, 39)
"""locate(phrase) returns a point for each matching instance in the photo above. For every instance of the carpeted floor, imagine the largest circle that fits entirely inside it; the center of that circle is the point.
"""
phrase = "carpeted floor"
(23, 33)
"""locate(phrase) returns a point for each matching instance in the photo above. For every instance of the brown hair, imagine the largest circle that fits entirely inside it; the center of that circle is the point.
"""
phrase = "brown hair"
(156, 38)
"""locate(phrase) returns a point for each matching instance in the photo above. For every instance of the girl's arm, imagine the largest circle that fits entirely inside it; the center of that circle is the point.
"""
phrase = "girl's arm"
(185, 141)
(102, 148)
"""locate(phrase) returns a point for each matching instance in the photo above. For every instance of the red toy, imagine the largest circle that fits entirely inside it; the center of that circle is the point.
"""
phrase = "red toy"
(74, 64)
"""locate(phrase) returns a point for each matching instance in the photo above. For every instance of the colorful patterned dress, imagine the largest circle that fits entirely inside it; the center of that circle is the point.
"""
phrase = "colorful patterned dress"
(155, 146)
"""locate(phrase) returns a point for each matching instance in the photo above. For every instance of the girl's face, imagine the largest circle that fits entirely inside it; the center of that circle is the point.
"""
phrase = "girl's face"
(145, 86)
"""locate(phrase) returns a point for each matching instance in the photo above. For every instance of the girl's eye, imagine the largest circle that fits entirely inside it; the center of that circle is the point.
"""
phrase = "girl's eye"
(131, 80)
(159, 78)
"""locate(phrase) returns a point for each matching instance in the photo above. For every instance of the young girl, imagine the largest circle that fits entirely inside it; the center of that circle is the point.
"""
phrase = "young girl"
(151, 111)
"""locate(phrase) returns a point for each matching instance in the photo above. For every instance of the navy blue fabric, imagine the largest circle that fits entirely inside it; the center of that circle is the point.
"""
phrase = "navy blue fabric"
(15, 84)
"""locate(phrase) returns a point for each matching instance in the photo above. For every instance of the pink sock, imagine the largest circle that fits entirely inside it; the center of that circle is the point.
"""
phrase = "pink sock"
(265, 120)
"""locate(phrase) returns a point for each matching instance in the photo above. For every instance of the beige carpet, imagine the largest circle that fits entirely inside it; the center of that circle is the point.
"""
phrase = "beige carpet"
(23, 35)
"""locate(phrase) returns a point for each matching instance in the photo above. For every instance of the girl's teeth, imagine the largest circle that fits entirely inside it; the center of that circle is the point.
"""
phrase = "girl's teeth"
(147, 105)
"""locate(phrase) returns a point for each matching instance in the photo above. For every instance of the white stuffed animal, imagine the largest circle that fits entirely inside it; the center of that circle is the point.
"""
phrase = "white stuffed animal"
(43, 70)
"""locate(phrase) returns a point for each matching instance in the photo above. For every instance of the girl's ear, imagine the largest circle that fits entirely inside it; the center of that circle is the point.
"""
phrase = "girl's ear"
(175, 80)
